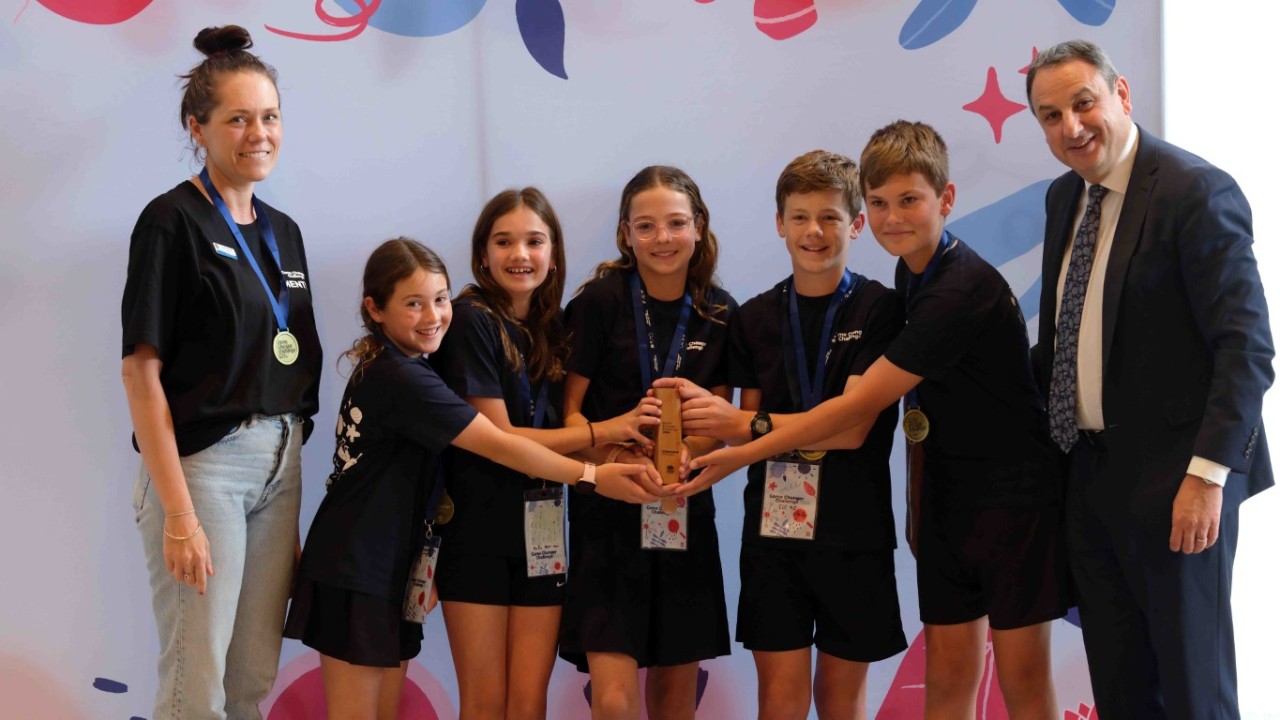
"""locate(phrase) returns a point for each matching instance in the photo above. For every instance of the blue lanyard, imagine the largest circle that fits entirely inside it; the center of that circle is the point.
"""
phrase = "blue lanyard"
(537, 410)
(811, 386)
(644, 335)
(915, 282)
(280, 304)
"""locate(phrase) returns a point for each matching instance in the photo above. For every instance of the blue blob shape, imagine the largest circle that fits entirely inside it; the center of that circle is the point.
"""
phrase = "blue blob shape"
(419, 18)
(1089, 12)
(1007, 228)
(135, 717)
(542, 29)
(933, 20)
(1073, 616)
(111, 686)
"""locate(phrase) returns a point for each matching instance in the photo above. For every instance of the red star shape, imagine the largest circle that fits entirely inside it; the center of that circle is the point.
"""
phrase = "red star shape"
(993, 105)
(1035, 52)
(773, 486)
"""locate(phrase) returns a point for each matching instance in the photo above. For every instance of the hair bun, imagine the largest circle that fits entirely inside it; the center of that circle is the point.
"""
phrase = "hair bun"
(227, 38)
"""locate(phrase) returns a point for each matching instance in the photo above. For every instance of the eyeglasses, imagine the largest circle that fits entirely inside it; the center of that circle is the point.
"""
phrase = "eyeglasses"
(676, 227)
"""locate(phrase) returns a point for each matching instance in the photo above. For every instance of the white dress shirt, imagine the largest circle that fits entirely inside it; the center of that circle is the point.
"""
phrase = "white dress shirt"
(1089, 349)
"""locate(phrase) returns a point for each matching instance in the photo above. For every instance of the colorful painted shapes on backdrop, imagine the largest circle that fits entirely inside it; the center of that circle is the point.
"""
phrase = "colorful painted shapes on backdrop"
(542, 29)
(96, 12)
(933, 20)
(1089, 12)
(418, 18)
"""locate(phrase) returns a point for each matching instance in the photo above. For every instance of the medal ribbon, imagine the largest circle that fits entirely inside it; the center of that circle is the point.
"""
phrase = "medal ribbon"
(536, 409)
(915, 282)
(279, 304)
(645, 338)
(811, 386)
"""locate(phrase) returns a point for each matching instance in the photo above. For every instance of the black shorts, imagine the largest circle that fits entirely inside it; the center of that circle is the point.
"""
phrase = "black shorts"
(660, 607)
(1007, 563)
(494, 580)
(851, 599)
(354, 627)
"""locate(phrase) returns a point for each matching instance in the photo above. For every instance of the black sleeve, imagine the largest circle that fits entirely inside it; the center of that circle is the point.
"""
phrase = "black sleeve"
(720, 332)
(471, 359)
(424, 410)
(884, 322)
(942, 325)
(157, 262)
(590, 317)
(742, 366)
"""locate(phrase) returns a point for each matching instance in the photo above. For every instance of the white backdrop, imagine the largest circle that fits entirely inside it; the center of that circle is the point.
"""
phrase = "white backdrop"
(407, 128)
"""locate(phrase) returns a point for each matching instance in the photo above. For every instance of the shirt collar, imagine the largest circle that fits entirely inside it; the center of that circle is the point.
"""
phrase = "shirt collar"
(1117, 181)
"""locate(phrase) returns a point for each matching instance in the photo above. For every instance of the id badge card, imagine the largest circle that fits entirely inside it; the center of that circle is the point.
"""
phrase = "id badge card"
(662, 530)
(418, 591)
(790, 506)
(544, 546)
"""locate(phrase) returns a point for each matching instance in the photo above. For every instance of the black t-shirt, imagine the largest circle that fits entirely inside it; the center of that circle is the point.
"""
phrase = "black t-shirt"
(855, 509)
(488, 497)
(210, 320)
(603, 340)
(988, 442)
(396, 417)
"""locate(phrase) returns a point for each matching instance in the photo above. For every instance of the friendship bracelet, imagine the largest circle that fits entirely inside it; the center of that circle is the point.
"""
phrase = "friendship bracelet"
(180, 539)
(592, 430)
(613, 454)
(192, 511)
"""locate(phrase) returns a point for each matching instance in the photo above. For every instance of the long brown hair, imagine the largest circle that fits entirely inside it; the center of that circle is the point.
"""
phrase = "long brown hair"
(392, 261)
(700, 277)
(548, 343)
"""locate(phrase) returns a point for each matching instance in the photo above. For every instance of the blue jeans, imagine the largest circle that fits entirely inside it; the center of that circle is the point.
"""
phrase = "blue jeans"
(219, 652)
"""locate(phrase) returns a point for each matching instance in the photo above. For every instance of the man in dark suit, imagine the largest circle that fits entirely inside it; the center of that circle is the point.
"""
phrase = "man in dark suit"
(1154, 353)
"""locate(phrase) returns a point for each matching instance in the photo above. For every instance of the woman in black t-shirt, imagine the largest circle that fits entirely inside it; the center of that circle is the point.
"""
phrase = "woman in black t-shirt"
(396, 417)
(645, 587)
(505, 355)
(221, 369)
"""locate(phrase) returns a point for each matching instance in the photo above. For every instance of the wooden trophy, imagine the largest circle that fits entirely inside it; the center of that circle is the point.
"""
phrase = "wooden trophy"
(668, 441)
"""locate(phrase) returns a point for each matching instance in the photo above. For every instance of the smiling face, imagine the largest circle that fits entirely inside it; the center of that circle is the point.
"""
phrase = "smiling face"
(518, 255)
(417, 315)
(906, 215)
(242, 136)
(1085, 123)
(660, 210)
(818, 230)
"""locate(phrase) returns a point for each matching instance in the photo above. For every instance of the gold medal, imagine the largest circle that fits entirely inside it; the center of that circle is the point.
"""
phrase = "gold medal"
(444, 510)
(812, 455)
(285, 347)
(915, 425)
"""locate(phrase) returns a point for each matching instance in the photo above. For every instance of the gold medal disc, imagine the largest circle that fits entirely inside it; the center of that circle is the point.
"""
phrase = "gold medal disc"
(285, 347)
(915, 425)
(444, 510)
(812, 455)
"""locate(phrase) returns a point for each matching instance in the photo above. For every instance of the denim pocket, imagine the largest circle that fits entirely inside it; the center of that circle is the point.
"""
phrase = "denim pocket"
(140, 487)
(235, 431)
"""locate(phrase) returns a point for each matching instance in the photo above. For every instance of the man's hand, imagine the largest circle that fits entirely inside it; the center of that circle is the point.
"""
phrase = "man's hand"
(1196, 512)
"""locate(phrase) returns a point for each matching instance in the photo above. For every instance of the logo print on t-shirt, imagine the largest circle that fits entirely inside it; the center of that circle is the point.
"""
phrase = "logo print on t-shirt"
(348, 432)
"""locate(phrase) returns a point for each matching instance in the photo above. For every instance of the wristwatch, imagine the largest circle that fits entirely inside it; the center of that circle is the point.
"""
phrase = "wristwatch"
(761, 425)
(586, 484)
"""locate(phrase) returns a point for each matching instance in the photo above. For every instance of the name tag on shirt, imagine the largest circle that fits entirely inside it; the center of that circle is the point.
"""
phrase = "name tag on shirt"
(790, 507)
(661, 530)
(224, 250)
(544, 546)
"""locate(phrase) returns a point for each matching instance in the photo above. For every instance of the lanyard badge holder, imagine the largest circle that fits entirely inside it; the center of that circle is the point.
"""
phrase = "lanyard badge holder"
(664, 524)
(417, 591)
(544, 538)
(789, 506)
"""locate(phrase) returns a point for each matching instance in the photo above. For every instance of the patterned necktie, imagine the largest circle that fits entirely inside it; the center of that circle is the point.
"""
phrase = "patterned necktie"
(1062, 387)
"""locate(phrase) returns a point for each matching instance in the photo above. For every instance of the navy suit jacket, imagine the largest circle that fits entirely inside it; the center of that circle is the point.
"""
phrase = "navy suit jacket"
(1186, 343)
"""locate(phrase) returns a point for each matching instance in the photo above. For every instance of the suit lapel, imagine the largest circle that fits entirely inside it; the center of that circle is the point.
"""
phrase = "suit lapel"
(1133, 213)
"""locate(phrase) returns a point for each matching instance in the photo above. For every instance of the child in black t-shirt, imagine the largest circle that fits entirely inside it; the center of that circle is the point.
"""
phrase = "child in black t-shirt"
(501, 589)
(395, 419)
(645, 587)
(990, 551)
(818, 536)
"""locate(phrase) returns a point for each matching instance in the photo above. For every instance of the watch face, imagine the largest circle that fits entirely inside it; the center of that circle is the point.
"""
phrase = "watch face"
(760, 425)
